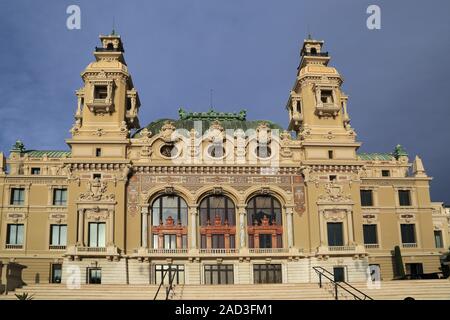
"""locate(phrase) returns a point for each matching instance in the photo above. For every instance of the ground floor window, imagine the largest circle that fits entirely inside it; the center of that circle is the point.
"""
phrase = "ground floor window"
(175, 271)
(56, 273)
(267, 273)
(94, 275)
(414, 268)
(339, 274)
(219, 274)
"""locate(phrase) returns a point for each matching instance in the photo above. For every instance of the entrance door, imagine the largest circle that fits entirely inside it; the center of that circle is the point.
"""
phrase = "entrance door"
(414, 269)
(94, 275)
(56, 273)
(339, 274)
(174, 271)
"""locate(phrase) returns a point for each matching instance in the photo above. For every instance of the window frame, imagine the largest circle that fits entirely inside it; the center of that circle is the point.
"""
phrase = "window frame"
(59, 200)
(18, 227)
(21, 198)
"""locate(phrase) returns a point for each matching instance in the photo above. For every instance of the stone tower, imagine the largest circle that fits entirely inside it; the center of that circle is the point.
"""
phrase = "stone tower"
(108, 104)
(318, 107)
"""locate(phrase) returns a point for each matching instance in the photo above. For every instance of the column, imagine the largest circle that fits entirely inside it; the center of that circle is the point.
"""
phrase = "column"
(80, 227)
(290, 230)
(193, 213)
(350, 227)
(242, 228)
(111, 227)
(144, 229)
(322, 228)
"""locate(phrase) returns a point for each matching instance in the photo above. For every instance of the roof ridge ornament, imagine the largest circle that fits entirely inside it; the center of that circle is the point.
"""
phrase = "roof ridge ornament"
(211, 114)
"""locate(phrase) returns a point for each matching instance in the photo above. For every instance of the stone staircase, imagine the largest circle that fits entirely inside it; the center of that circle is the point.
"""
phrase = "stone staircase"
(307, 291)
(438, 289)
(397, 290)
(292, 291)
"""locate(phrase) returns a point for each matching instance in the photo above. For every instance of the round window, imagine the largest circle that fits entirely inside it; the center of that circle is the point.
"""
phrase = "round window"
(216, 151)
(169, 150)
(263, 152)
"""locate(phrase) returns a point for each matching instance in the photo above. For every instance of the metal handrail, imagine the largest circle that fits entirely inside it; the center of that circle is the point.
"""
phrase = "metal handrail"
(170, 288)
(323, 272)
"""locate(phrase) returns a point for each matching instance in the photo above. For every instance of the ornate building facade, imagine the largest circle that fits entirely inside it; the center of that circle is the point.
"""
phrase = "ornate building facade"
(212, 196)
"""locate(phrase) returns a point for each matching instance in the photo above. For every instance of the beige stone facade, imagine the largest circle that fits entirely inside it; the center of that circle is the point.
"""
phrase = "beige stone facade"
(218, 197)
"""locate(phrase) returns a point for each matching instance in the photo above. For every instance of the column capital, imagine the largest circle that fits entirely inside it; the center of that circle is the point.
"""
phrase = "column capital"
(144, 210)
(193, 210)
(242, 210)
(289, 210)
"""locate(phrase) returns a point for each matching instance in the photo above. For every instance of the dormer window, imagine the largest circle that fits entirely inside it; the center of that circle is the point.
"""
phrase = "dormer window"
(326, 96)
(100, 92)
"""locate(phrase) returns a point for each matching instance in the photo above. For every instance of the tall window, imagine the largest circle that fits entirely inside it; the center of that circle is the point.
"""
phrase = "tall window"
(58, 234)
(14, 234)
(97, 234)
(169, 222)
(366, 198)
(370, 233)
(219, 274)
(404, 197)
(408, 233)
(438, 239)
(17, 196)
(335, 234)
(217, 222)
(265, 228)
(59, 197)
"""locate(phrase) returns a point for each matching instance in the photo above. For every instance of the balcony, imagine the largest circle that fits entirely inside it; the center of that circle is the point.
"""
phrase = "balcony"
(327, 109)
(409, 245)
(372, 246)
(77, 252)
(56, 247)
(268, 250)
(14, 246)
(345, 250)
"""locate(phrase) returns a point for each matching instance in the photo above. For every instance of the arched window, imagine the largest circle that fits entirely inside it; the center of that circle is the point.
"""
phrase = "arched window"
(169, 222)
(217, 222)
(265, 227)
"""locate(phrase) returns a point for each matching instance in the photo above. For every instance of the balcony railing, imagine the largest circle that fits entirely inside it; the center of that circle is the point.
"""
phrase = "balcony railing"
(409, 245)
(342, 248)
(372, 246)
(219, 251)
(268, 250)
(91, 249)
(14, 246)
(56, 247)
(168, 251)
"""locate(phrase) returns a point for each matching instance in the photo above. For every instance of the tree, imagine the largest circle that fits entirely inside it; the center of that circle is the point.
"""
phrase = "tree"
(398, 263)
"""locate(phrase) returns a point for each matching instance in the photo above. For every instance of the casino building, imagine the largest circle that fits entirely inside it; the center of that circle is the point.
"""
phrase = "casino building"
(213, 196)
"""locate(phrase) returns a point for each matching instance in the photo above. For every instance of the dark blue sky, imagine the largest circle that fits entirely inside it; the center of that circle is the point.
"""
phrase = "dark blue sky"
(247, 51)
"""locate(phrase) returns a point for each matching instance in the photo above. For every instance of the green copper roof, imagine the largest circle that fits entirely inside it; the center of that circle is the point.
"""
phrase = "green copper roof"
(49, 153)
(376, 156)
(228, 120)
